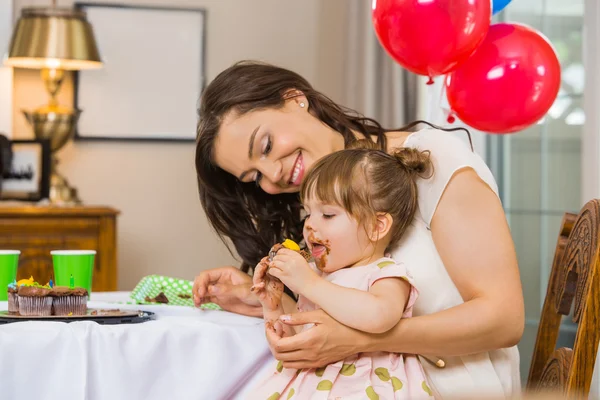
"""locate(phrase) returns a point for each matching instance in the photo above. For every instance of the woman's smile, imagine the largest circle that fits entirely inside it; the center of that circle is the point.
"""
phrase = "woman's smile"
(297, 171)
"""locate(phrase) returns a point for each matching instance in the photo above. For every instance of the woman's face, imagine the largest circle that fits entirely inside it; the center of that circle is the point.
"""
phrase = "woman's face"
(274, 147)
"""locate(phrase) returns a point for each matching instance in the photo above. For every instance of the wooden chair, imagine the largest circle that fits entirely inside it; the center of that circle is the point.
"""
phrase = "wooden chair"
(574, 276)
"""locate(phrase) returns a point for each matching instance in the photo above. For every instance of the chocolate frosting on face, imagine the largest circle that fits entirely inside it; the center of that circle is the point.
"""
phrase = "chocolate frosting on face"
(33, 291)
(59, 291)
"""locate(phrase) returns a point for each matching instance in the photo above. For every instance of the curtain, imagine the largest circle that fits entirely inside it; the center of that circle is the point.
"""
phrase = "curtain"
(376, 86)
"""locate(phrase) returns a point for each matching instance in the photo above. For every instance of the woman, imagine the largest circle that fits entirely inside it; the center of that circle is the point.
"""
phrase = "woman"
(261, 128)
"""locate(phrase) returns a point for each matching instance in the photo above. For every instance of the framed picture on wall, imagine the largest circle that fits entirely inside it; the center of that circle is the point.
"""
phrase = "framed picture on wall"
(152, 76)
(28, 177)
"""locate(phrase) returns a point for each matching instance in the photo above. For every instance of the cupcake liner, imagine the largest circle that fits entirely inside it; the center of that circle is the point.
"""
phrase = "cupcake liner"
(13, 303)
(40, 306)
(65, 305)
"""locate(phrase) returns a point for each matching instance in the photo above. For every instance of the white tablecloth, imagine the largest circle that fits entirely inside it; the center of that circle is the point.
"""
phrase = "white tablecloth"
(185, 354)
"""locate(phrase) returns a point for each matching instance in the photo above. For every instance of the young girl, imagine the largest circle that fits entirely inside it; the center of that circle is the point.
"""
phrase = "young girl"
(359, 202)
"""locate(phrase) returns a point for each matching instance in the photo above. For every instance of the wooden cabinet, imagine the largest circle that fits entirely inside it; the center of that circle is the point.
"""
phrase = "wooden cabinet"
(36, 230)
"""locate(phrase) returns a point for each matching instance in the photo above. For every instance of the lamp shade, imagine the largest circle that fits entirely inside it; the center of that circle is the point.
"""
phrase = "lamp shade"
(52, 37)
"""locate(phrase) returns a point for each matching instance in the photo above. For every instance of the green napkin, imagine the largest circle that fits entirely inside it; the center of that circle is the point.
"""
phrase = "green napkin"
(178, 291)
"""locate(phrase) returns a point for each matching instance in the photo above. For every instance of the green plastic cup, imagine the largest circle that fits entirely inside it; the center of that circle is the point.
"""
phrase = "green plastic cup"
(74, 268)
(9, 262)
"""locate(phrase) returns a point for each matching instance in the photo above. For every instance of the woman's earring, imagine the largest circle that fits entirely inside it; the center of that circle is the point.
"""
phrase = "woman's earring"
(302, 105)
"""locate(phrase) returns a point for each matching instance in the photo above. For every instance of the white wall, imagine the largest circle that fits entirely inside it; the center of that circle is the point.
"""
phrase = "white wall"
(6, 74)
(590, 149)
(162, 228)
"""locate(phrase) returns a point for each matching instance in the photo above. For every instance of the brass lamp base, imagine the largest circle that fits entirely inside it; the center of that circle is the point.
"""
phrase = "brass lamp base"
(59, 129)
(61, 193)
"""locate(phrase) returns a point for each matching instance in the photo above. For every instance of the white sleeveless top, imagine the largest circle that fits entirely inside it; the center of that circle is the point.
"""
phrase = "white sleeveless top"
(495, 372)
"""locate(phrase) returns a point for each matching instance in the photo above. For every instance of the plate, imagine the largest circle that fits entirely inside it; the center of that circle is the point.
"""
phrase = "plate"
(101, 316)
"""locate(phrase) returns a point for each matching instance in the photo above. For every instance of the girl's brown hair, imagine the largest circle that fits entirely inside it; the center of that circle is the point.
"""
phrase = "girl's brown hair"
(365, 181)
(242, 213)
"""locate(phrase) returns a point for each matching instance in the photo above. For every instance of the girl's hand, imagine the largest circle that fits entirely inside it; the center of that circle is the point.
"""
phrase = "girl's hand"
(293, 270)
(268, 289)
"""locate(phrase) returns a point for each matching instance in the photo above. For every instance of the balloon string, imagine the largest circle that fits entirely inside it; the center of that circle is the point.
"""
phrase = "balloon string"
(450, 118)
(430, 81)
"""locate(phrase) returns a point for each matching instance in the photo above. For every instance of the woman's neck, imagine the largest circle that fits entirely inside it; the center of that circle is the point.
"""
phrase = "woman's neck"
(395, 139)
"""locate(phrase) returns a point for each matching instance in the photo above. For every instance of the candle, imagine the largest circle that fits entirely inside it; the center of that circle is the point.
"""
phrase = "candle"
(51, 284)
(71, 282)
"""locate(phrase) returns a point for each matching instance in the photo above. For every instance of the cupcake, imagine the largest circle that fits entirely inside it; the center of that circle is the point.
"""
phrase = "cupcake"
(291, 245)
(67, 301)
(34, 300)
(13, 298)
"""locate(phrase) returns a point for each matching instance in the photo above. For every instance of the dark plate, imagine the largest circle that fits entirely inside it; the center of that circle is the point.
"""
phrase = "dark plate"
(104, 317)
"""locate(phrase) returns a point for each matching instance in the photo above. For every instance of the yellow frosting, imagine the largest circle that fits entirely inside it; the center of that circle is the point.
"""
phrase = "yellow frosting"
(290, 244)
(29, 281)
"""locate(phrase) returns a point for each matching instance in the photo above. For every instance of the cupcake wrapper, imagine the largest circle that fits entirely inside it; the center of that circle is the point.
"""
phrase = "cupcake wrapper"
(65, 305)
(40, 306)
(13, 303)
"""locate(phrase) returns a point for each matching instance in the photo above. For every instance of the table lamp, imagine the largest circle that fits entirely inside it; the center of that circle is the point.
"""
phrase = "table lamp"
(54, 40)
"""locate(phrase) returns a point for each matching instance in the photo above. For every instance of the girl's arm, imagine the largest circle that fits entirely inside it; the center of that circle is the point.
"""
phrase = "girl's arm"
(375, 311)
(289, 305)
(275, 302)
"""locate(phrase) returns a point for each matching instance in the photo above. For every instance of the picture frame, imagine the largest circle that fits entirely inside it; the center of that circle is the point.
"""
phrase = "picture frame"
(152, 77)
(29, 175)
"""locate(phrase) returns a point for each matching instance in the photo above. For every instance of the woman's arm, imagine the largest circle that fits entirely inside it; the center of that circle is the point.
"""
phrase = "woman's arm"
(471, 235)
(375, 311)
(473, 239)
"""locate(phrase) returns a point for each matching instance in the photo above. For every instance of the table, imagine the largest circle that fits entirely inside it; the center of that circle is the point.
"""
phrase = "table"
(186, 353)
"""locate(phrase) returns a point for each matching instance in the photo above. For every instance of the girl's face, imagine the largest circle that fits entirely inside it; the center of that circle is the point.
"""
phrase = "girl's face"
(274, 147)
(335, 239)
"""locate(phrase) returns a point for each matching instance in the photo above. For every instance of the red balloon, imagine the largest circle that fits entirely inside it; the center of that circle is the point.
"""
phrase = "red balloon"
(431, 37)
(509, 83)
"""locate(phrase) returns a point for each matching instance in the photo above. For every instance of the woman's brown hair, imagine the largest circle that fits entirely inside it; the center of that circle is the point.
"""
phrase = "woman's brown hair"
(365, 181)
(242, 213)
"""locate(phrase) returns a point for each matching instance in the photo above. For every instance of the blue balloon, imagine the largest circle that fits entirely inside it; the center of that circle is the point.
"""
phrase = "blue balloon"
(498, 5)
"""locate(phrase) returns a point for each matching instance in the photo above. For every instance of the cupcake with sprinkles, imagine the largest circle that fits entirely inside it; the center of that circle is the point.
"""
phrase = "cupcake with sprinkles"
(34, 299)
(13, 294)
(69, 301)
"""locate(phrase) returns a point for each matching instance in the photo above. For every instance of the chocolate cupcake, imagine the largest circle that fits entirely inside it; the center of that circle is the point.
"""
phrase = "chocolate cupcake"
(34, 300)
(13, 298)
(67, 301)
(291, 245)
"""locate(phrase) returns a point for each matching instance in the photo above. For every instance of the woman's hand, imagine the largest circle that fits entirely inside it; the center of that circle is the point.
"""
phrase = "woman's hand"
(326, 342)
(229, 288)
(268, 289)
